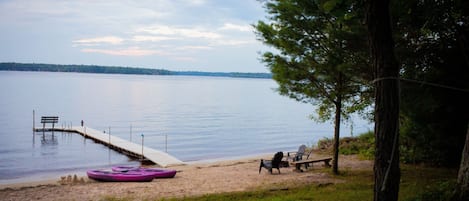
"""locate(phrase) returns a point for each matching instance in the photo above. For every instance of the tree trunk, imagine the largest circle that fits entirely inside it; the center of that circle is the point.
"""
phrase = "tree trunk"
(462, 187)
(386, 72)
(463, 41)
(335, 160)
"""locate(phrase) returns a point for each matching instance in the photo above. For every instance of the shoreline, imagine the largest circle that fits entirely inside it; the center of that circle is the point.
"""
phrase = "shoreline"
(191, 180)
(37, 180)
(52, 178)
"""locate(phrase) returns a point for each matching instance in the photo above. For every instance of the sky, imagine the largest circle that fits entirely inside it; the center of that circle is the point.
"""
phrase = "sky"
(180, 35)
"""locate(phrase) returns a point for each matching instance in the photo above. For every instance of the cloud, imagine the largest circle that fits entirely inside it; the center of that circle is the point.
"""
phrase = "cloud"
(196, 2)
(179, 32)
(194, 33)
(180, 40)
(106, 39)
(233, 42)
(194, 48)
(235, 27)
(141, 38)
(132, 51)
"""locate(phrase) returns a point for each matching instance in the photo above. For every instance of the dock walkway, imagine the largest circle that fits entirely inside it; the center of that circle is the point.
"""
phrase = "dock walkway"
(158, 157)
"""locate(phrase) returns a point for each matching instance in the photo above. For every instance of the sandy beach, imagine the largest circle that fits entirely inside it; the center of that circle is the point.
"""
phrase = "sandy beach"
(191, 180)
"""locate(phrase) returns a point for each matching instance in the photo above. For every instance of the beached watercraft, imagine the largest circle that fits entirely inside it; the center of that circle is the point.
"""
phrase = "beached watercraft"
(158, 172)
(130, 176)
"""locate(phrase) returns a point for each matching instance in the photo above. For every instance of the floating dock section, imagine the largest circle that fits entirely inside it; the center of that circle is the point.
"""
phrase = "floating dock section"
(133, 149)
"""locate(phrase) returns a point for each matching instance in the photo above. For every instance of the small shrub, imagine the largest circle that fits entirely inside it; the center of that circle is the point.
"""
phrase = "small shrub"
(363, 145)
(440, 191)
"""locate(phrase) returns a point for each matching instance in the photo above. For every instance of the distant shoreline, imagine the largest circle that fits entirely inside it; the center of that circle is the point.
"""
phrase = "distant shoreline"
(11, 66)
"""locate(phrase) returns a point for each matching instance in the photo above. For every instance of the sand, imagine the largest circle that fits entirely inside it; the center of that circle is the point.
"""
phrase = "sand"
(191, 180)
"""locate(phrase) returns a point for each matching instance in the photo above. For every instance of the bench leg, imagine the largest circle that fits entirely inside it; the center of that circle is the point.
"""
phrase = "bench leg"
(298, 167)
(326, 163)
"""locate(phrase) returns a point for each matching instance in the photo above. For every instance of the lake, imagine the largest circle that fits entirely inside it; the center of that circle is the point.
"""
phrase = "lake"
(202, 118)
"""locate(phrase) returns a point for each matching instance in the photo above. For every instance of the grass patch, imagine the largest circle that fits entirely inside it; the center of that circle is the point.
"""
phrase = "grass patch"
(417, 183)
(426, 183)
(360, 189)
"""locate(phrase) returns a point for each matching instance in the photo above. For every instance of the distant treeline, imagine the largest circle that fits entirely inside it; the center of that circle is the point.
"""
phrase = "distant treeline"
(120, 70)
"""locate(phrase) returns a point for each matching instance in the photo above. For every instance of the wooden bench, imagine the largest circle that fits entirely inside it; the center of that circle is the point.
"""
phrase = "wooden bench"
(49, 120)
(311, 161)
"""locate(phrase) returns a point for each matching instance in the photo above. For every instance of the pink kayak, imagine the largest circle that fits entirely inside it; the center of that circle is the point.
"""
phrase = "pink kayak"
(104, 175)
(157, 172)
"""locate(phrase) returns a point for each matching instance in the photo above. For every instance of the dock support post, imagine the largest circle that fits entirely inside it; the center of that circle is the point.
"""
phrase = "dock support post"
(34, 121)
(142, 146)
(43, 128)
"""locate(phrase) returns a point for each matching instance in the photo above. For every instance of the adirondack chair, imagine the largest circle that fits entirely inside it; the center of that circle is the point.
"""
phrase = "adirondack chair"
(297, 156)
(270, 164)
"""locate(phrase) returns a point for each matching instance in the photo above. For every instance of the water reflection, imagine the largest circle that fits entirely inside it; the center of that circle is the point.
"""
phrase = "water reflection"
(49, 140)
(109, 157)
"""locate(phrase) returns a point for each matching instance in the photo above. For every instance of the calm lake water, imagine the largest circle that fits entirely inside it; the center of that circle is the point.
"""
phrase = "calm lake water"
(204, 118)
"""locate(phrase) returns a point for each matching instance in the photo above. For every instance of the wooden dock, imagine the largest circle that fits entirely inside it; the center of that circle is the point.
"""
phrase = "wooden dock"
(130, 148)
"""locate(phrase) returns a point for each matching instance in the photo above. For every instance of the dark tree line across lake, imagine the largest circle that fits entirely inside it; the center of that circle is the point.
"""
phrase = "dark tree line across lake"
(121, 70)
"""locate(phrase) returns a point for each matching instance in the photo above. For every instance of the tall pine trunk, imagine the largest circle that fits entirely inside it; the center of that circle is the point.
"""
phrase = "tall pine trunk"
(462, 187)
(461, 192)
(338, 113)
(335, 160)
(386, 72)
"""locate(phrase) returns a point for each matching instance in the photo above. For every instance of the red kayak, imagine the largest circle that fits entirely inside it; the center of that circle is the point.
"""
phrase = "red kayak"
(157, 172)
(131, 176)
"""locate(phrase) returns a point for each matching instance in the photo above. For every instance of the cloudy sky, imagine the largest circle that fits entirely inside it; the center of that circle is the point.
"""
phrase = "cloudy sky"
(199, 35)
